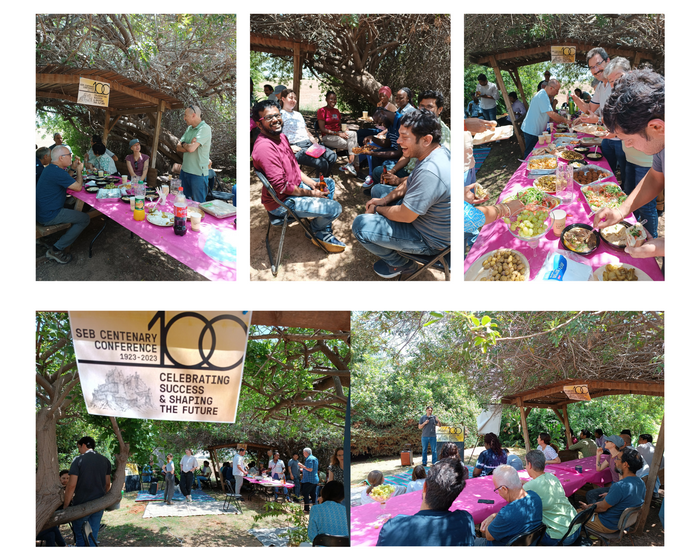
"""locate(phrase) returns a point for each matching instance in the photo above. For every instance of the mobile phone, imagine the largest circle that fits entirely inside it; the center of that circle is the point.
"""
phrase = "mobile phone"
(485, 501)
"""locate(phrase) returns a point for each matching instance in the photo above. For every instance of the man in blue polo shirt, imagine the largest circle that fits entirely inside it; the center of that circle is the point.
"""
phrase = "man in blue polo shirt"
(51, 196)
(539, 113)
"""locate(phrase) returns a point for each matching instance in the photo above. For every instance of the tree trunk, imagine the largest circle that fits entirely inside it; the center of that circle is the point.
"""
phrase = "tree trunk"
(49, 493)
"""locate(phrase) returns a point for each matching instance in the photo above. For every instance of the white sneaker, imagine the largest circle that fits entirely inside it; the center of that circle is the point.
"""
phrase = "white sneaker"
(368, 182)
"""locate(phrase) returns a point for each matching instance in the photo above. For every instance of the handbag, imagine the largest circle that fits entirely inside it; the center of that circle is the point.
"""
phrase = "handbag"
(315, 151)
(153, 488)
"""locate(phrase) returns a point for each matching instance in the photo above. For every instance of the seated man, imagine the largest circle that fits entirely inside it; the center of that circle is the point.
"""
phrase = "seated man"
(614, 446)
(557, 512)
(522, 514)
(102, 161)
(415, 216)
(206, 474)
(645, 447)
(628, 492)
(519, 110)
(274, 157)
(390, 153)
(43, 158)
(434, 524)
(51, 196)
(586, 444)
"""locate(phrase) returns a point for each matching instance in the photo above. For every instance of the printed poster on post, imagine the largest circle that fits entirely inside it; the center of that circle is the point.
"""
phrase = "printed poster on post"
(92, 92)
(161, 365)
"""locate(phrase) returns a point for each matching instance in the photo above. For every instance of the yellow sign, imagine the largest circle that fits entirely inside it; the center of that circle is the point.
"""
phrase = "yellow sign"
(91, 92)
(577, 392)
(449, 433)
(163, 365)
(563, 55)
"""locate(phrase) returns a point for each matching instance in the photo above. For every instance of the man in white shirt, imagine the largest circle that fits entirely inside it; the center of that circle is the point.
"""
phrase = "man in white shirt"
(240, 469)
(188, 464)
(646, 449)
(276, 466)
(488, 97)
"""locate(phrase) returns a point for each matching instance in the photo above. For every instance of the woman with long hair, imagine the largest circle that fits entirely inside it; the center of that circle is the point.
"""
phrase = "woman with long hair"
(492, 456)
(417, 479)
(543, 444)
(335, 469)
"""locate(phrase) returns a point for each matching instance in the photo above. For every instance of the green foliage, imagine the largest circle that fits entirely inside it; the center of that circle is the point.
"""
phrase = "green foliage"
(293, 514)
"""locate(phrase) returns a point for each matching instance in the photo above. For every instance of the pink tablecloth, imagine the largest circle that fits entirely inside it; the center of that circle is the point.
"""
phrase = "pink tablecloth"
(362, 518)
(269, 483)
(215, 237)
(496, 235)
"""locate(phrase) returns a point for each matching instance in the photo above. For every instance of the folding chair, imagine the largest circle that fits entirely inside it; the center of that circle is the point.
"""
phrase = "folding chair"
(87, 534)
(580, 519)
(330, 540)
(528, 539)
(217, 193)
(627, 521)
(290, 216)
(231, 498)
(440, 262)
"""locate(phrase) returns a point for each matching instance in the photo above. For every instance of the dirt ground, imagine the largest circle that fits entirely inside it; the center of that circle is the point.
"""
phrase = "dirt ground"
(653, 534)
(115, 256)
(301, 260)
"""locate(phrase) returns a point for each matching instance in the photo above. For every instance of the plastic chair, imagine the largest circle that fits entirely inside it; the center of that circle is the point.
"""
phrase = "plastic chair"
(627, 521)
(440, 262)
(580, 519)
(290, 216)
(528, 539)
(330, 540)
(231, 498)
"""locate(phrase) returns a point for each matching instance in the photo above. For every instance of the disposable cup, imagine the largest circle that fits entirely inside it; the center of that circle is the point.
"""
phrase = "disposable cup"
(195, 219)
(132, 203)
(343, 127)
(559, 221)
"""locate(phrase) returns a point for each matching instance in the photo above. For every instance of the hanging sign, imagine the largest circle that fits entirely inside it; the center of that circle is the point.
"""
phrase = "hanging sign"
(577, 392)
(563, 55)
(162, 365)
(92, 92)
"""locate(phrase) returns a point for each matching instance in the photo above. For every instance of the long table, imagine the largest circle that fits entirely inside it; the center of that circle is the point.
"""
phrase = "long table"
(209, 252)
(267, 485)
(364, 528)
(495, 235)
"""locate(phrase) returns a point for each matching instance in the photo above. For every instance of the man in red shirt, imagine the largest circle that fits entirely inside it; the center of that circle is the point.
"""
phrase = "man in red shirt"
(274, 157)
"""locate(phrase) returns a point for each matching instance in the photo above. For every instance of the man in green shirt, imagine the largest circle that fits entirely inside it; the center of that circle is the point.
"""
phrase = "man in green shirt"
(586, 444)
(194, 146)
(557, 512)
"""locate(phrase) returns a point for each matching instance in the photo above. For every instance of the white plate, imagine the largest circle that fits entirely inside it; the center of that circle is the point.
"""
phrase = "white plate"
(160, 218)
(477, 271)
(598, 273)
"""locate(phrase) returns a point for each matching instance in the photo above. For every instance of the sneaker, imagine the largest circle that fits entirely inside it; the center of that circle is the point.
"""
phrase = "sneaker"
(329, 241)
(349, 168)
(369, 182)
(386, 271)
(59, 256)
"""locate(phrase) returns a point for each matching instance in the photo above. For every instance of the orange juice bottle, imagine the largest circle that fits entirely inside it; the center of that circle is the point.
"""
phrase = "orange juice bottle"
(139, 210)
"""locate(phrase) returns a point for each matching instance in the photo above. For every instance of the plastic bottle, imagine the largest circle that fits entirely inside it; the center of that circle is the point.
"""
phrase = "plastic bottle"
(180, 225)
(180, 196)
(139, 208)
(322, 184)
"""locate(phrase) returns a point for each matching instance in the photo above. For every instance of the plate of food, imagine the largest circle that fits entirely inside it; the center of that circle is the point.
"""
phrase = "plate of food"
(151, 196)
(365, 150)
(92, 189)
(616, 236)
(542, 164)
(594, 129)
(570, 155)
(546, 183)
(619, 273)
(534, 199)
(603, 195)
(542, 151)
(565, 135)
(160, 218)
(594, 156)
(501, 265)
(582, 239)
(589, 174)
(530, 225)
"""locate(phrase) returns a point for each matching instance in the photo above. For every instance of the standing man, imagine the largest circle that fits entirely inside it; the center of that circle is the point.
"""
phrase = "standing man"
(427, 424)
(194, 146)
(309, 479)
(488, 97)
(89, 480)
(240, 469)
(57, 141)
(539, 114)
(293, 467)
(188, 464)
(51, 196)
(276, 466)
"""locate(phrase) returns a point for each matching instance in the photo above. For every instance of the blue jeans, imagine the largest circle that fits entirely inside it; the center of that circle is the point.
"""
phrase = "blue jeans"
(321, 211)
(489, 114)
(297, 485)
(276, 476)
(201, 479)
(383, 237)
(94, 520)
(194, 186)
(52, 537)
(470, 176)
(530, 143)
(634, 174)
(67, 216)
(433, 447)
(389, 164)
(323, 163)
(613, 152)
(546, 540)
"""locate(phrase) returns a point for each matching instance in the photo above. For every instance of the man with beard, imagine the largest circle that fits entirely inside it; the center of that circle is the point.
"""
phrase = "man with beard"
(273, 156)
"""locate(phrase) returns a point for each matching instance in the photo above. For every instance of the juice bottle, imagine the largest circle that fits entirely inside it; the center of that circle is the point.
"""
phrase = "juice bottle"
(322, 185)
(139, 209)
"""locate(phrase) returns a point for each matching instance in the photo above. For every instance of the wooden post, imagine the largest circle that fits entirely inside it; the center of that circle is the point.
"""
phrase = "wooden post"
(526, 435)
(558, 414)
(106, 129)
(215, 460)
(651, 479)
(156, 133)
(569, 442)
(504, 92)
(519, 83)
(297, 69)
(635, 62)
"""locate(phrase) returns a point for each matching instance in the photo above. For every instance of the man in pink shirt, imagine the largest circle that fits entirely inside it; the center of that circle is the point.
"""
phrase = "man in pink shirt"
(273, 156)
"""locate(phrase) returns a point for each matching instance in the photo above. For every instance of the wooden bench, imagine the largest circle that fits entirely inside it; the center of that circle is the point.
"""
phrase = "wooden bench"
(43, 231)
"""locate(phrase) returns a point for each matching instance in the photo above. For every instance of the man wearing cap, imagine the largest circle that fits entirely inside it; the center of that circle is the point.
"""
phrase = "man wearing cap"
(277, 94)
(51, 196)
(194, 146)
(136, 162)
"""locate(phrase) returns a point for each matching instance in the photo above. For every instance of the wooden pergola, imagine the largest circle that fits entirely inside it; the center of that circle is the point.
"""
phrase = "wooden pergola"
(281, 46)
(512, 59)
(126, 96)
(552, 396)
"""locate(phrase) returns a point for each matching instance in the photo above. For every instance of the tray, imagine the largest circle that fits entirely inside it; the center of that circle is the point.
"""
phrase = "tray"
(477, 271)
(218, 208)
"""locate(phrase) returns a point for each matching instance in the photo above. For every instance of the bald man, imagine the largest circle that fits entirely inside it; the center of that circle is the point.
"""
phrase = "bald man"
(194, 146)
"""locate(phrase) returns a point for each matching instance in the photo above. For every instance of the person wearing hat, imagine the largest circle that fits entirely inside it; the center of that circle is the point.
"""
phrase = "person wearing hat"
(277, 94)
(614, 445)
(136, 162)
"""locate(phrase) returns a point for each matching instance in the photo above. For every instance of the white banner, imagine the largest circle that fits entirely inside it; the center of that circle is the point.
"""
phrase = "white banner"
(162, 365)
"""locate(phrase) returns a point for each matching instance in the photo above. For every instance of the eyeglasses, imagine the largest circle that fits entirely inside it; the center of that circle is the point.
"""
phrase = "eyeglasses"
(270, 118)
(497, 489)
(596, 66)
